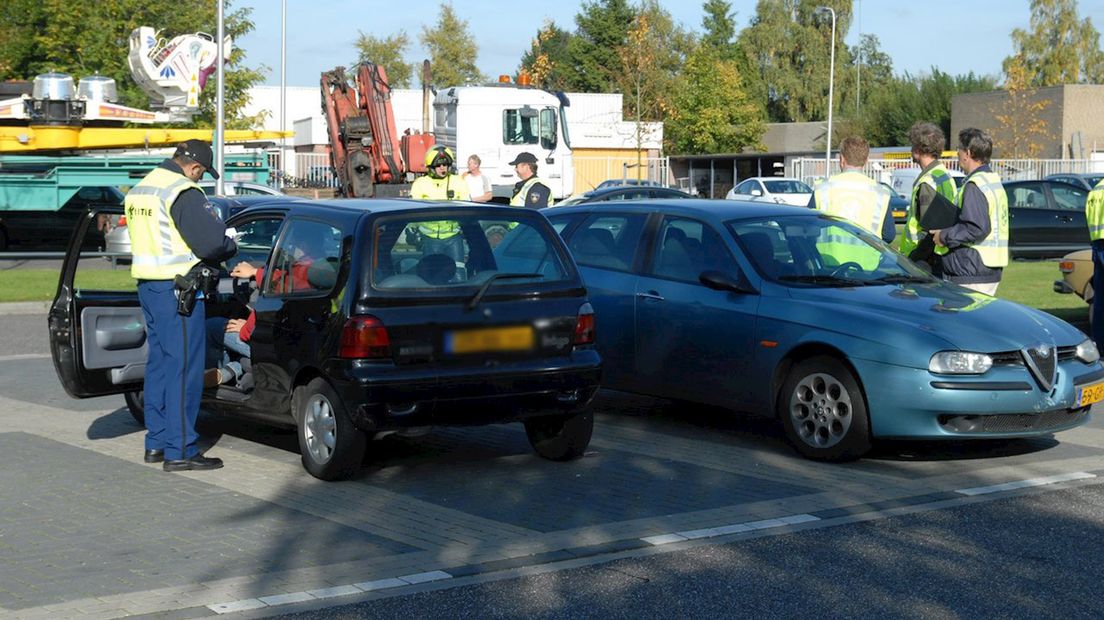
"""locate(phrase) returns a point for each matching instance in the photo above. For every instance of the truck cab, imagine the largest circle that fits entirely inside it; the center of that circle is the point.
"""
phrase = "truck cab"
(497, 122)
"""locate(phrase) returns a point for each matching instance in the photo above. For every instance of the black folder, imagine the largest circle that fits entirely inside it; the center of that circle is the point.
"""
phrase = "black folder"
(941, 213)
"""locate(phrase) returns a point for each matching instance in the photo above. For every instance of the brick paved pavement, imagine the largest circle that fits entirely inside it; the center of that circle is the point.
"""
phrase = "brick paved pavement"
(86, 530)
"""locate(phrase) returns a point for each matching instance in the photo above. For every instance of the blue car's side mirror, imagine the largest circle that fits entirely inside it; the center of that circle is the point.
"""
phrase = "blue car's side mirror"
(721, 281)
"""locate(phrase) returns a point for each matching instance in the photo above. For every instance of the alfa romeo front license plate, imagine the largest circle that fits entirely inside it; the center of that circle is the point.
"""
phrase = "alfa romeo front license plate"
(1090, 394)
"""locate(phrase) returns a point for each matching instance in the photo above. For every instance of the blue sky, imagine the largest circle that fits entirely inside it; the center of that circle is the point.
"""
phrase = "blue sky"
(972, 35)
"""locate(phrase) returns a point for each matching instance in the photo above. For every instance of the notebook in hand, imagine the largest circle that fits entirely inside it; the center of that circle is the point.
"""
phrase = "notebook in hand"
(941, 213)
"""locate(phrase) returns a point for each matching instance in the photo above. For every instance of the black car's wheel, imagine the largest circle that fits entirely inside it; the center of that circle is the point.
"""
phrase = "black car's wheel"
(136, 404)
(824, 412)
(331, 446)
(560, 438)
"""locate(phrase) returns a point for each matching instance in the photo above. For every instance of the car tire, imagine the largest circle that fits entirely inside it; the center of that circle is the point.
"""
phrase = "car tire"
(823, 410)
(331, 446)
(136, 404)
(560, 438)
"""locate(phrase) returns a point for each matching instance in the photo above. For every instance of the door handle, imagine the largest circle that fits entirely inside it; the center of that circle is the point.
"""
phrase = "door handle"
(654, 296)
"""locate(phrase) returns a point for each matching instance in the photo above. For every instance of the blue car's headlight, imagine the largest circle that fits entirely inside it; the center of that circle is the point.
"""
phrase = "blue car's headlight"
(960, 363)
(1086, 351)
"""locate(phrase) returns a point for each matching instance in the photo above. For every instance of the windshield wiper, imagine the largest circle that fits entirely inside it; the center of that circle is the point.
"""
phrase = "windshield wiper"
(824, 279)
(498, 276)
(902, 278)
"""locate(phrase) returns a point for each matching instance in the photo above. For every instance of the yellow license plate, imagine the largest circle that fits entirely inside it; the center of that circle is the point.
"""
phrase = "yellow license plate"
(899, 214)
(491, 339)
(1090, 394)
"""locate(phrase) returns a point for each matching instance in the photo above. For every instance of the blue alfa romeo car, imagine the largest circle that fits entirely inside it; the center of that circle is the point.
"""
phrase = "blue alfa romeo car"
(786, 311)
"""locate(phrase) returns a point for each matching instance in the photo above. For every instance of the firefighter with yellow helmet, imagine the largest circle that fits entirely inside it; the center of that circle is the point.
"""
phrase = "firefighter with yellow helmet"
(440, 183)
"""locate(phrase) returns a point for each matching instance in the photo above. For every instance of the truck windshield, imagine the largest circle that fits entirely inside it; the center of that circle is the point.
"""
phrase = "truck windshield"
(518, 128)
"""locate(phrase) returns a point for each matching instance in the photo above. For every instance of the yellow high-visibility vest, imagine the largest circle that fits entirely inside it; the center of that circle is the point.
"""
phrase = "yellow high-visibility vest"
(428, 188)
(939, 180)
(159, 252)
(862, 201)
(518, 199)
(993, 249)
(1094, 212)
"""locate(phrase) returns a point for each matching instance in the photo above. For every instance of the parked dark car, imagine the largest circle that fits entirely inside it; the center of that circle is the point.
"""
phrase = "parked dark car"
(1046, 218)
(623, 192)
(1084, 180)
(362, 330)
(624, 182)
(51, 230)
(898, 206)
(784, 311)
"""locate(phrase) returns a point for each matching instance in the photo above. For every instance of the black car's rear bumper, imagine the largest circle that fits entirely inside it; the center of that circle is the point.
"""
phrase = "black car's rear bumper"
(383, 397)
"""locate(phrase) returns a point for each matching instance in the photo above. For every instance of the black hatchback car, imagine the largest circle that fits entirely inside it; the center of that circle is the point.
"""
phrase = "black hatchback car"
(1046, 218)
(365, 328)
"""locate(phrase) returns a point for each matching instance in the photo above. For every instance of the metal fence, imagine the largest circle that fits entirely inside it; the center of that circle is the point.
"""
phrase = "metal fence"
(310, 170)
(812, 169)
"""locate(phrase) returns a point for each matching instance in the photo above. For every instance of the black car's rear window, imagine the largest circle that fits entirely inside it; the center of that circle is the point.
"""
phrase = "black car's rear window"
(440, 253)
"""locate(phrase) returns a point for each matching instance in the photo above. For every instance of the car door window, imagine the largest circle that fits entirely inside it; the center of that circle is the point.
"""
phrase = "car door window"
(688, 247)
(744, 188)
(255, 240)
(608, 241)
(305, 260)
(1026, 196)
(1069, 197)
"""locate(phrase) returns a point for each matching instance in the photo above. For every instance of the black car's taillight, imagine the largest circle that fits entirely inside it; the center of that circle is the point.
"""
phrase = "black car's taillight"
(365, 337)
(584, 325)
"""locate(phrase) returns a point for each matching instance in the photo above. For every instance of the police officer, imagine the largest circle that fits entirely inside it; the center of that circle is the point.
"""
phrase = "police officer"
(854, 196)
(927, 145)
(172, 229)
(977, 244)
(1094, 213)
(530, 191)
(440, 183)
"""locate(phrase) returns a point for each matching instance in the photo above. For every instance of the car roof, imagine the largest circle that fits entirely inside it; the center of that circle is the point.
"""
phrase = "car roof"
(770, 179)
(716, 210)
(602, 191)
(379, 205)
(1047, 181)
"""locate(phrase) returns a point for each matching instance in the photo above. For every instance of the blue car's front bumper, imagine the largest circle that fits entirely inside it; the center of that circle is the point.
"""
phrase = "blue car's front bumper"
(1005, 402)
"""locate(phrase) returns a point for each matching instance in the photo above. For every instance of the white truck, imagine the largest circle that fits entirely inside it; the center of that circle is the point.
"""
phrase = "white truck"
(497, 122)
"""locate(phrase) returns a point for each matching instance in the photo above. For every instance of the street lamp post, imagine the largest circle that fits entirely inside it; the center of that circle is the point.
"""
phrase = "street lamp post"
(831, 80)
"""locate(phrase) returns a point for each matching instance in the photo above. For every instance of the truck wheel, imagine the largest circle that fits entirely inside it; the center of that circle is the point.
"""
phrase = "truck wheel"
(136, 404)
(331, 447)
(824, 412)
(560, 438)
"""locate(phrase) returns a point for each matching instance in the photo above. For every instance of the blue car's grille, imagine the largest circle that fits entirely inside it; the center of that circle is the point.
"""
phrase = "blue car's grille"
(1013, 358)
(1012, 423)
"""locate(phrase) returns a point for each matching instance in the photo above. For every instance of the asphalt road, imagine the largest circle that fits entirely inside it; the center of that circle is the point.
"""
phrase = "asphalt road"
(1034, 556)
(517, 534)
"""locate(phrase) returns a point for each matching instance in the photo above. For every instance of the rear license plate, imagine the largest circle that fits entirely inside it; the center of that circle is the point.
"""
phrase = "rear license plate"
(491, 339)
(1090, 394)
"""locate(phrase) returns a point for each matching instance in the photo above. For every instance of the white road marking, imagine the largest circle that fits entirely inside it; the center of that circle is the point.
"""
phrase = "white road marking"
(345, 590)
(1023, 484)
(723, 530)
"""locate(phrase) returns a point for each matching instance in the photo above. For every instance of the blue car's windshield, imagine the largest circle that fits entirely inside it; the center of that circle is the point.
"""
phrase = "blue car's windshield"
(813, 250)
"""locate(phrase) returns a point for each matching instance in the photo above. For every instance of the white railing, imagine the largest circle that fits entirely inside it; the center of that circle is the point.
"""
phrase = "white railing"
(811, 170)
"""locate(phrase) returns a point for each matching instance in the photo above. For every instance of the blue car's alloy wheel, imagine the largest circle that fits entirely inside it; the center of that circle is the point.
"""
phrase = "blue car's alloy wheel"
(823, 410)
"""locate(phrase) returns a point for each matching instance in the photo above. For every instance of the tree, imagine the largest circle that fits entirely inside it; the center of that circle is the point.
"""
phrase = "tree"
(87, 38)
(548, 62)
(719, 28)
(387, 52)
(891, 109)
(1061, 48)
(602, 28)
(452, 50)
(787, 51)
(1021, 131)
(712, 112)
(871, 70)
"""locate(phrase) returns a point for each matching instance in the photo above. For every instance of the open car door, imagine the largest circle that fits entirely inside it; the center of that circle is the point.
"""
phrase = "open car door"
(97, 332)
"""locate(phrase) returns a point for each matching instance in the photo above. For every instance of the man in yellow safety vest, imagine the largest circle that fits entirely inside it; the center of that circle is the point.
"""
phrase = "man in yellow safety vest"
(977, 243)
(927, 145)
